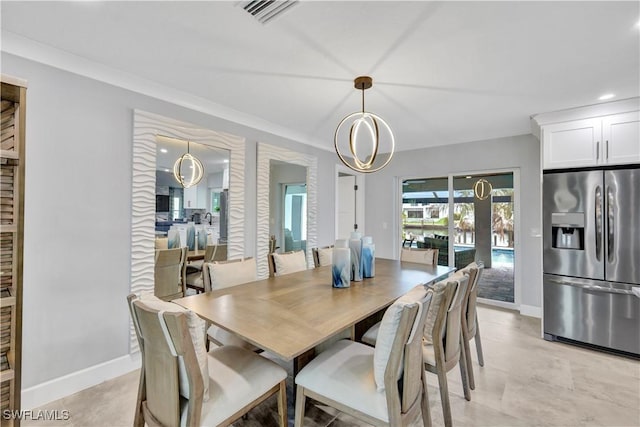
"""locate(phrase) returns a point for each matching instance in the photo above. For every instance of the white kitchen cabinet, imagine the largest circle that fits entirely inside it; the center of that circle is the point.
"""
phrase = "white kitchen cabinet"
(621, 136)
(608, 140)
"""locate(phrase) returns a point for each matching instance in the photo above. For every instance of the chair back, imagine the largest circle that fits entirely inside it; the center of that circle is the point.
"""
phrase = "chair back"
(404, 392)
(322, 256)
(220, 253)
(474, 270)
(286, 263)
(170, 273)
(413, 367)
(422, 256)
(224, 274)
(450, 330)
(164, 339)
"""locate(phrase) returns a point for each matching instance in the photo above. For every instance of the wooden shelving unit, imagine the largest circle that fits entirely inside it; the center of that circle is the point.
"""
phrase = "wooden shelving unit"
(12, 163)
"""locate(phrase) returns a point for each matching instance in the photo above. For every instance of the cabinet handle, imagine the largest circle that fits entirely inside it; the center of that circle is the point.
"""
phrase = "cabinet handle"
(606, 146)
(597, 150)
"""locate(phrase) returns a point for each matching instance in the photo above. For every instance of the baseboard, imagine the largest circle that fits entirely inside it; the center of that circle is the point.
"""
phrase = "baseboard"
(531, 311)
(36, 396)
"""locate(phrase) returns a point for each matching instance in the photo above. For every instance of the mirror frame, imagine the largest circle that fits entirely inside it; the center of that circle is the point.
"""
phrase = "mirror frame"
(143, 188)
(266, 153)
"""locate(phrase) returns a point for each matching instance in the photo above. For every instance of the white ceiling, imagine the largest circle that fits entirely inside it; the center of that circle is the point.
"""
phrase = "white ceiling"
(444, 72)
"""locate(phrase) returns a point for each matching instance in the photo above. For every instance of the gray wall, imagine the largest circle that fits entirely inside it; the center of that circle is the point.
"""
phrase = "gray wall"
(77, 235)
(520, 152)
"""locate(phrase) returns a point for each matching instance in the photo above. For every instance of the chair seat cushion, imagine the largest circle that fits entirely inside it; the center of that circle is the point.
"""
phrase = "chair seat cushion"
(195, 280)
(428, 354)
(371, 335)
(219, 335)
(344, 373)
(237, 378)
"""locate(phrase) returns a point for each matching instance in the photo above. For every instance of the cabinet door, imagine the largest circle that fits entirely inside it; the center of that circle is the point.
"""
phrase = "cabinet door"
(572, 144)
(621, 136)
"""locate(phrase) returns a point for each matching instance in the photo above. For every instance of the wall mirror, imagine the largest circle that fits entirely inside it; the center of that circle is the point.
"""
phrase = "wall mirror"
(286, 191)
(146, 129)
(204, 204)
(288, 205)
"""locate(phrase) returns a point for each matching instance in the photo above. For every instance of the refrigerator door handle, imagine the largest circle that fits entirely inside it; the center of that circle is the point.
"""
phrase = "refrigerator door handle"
(610, 224)
(592, 287)
(598, 210)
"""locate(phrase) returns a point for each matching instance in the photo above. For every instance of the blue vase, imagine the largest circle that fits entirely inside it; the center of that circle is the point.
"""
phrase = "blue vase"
(191, 237)
(355, 244)
(341, 265)
(368, 257)
(173, 239)
(202, 239)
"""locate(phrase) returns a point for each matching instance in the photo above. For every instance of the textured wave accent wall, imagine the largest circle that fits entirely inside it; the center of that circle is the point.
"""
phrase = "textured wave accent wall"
(266, 153)
(146, 126)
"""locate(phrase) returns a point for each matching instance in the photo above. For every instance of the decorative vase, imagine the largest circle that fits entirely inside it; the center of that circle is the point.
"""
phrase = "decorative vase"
(173, 239)
(341, 265)
(191, 237)
(202, 239)
(355, 244)
(368, 257)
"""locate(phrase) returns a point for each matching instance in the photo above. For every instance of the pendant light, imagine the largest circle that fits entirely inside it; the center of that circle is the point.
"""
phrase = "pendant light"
(188, 170)
(361, 136)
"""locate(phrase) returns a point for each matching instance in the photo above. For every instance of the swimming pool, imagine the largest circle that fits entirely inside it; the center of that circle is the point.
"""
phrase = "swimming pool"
(501, 256)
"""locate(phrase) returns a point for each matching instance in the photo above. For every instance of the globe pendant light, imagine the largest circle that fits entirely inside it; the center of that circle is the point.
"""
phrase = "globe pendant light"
(361, 137)
(188, 170)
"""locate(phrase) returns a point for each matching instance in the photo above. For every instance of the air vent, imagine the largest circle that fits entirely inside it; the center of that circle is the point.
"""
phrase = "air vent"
(265, 11)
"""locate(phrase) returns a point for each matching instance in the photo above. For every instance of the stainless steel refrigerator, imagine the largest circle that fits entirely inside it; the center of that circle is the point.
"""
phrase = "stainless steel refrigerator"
(591, 238)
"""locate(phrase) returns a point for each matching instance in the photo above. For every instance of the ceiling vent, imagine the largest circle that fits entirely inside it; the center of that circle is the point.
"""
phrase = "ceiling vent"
(265, 11)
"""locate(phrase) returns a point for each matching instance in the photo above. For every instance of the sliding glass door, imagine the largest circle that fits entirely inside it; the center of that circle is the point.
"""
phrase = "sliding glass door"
(472, 222)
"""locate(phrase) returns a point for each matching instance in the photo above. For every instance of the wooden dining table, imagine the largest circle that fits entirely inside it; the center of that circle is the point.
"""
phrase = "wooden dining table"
(290, 315)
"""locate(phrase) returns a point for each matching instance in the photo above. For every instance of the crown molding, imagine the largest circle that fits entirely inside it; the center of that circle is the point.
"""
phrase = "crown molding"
(23, 47)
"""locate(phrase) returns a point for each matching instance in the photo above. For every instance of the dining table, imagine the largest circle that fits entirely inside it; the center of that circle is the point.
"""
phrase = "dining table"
(290, 315)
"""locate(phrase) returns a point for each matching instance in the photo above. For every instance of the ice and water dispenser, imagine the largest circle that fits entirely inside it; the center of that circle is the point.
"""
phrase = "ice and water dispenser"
(567, 229)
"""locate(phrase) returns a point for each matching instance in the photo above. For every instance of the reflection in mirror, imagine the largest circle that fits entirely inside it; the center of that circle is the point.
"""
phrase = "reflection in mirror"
(288, 205)
(276, 167)
(204, 204)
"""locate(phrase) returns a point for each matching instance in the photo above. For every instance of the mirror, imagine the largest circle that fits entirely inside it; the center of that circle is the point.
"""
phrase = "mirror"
(146, 128)
(279, 168)
(288, 205)
(204, 204)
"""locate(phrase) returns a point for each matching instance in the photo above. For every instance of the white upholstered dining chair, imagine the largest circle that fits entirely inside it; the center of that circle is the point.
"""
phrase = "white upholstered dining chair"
(322, 256)
(422, 256)
(287, 263)
(224, 274)
(470, 327)
(383, 386)
(183, 385)
(194, 274)
(442, 345)
(169, 279)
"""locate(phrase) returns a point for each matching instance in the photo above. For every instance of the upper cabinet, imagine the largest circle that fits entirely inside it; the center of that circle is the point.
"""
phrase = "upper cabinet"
(608, 140)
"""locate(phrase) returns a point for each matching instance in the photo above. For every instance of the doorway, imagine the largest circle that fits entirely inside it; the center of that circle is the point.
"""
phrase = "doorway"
(349, 210)
(467, 218)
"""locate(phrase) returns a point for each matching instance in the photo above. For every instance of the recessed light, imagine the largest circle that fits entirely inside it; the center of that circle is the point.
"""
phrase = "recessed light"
(166, 170)
(606, 96)
(163, 150)
(226, 160)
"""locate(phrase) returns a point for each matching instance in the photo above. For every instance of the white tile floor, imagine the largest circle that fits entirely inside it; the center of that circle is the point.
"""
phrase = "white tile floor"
(526, 381)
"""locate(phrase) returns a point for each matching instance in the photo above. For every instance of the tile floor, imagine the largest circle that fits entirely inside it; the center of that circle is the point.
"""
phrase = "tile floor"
(526, 381)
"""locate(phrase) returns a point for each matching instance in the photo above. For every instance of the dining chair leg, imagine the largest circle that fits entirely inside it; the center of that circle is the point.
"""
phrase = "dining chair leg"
(479, 343)
(467, 354)
(300, 398)
(426, 409)
(463, 371)
(444, 397)
(282, 404)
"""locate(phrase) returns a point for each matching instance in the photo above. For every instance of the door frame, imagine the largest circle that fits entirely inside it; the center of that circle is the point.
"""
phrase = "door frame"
(517, 267)
(359, 197)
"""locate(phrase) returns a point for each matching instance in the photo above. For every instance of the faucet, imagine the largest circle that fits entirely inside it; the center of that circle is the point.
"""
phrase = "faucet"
(210, 217)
